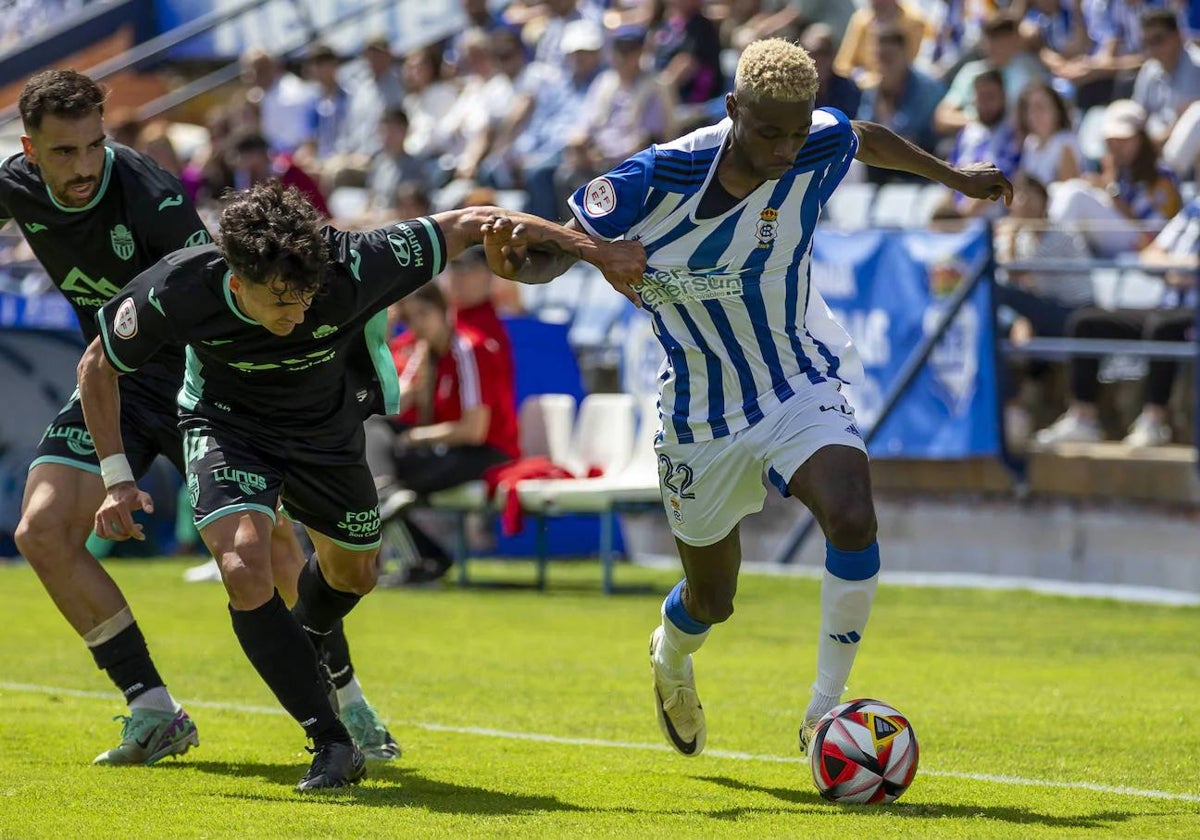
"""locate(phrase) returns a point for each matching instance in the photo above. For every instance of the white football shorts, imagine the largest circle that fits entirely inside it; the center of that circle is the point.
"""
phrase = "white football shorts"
(708, 487)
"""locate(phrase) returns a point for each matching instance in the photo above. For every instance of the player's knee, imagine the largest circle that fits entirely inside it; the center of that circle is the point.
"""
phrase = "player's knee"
(851, 525)
(248, 578)
(358, 575)
(43, 537)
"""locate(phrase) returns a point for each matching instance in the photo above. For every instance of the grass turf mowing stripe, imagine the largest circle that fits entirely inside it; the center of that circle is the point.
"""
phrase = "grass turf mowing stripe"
(631, 745)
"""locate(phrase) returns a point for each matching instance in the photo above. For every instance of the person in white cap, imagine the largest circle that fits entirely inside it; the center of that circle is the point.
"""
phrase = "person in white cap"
(1123, 207)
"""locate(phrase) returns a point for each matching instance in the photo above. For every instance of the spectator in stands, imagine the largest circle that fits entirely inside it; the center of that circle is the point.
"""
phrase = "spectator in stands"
(904, 100)
(801, 14)
(393, 165)
(989, 137)
(458, 414)
(284, 101)
(1056, 31)
(1114, 28)
(856, 58)
(1176, 246)
(548, 29)
(1042, 300)
(123, 125)
(329, 106)
(473, 291)
(1168, 87)
(480, 18)
(745, 21)
(1134, 186)
(628, 108)
(1050, 148)
(373, 84)
(154, 141)
(954, 31)
(255, 163)
(479, 82)
(1002, 51)
(515, 82)
(687, 52)
(427, 101)
(529, 148)
(833, 91)
(209, 172)
(411, 202)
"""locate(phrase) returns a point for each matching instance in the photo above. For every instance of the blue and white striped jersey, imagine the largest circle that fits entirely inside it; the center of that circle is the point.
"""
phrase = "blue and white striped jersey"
(742, 326)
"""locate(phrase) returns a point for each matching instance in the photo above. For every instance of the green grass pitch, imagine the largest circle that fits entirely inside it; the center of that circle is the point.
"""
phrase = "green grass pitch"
(526, 714)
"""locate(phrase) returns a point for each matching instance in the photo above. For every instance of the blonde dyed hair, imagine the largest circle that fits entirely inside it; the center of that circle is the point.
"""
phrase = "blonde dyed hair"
(776, 69)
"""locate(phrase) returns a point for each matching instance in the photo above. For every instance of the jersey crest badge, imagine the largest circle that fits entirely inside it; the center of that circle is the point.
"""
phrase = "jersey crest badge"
(122, 242)
(125, 324)
(600, 198)
(767, 228)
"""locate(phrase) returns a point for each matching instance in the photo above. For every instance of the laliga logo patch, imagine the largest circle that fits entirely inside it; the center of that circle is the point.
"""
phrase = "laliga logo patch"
(125, 324)
(600, 198)
(767, 228)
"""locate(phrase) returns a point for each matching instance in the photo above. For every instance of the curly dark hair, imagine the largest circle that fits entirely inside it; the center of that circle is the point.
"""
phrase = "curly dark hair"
(59, 93)
(270, 234)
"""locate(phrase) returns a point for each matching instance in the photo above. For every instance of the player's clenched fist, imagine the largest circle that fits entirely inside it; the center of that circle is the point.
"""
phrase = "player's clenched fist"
(623, 262)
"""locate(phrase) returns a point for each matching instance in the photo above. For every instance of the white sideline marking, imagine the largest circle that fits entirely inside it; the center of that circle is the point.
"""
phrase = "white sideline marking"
(629, 745)
(1129, 593)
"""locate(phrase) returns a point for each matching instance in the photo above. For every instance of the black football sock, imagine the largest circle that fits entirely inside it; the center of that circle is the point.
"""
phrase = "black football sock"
(337, 657)
(284, 657)
(126, 660)
(319, 607)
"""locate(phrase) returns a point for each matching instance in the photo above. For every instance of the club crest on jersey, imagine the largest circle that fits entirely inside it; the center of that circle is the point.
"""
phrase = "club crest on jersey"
(767, 228)
(122, 242)
(125, 324)
(600, 198)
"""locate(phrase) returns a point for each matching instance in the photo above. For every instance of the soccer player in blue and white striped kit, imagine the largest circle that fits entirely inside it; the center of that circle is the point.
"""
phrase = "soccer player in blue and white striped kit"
(755, 364)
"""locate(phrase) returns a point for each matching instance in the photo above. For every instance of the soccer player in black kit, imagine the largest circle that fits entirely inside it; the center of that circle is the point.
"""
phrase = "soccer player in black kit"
(96, 215)
(283, 322)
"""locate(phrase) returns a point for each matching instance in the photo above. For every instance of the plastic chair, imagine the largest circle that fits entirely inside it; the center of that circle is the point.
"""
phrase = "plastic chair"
(850, 206)
(896, 205)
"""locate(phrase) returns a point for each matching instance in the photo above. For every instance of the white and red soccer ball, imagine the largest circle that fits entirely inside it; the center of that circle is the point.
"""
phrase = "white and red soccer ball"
(863, 752)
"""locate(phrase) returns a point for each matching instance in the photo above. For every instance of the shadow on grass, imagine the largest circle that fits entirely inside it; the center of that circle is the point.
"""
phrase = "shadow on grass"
(386, 787)
(931, 810)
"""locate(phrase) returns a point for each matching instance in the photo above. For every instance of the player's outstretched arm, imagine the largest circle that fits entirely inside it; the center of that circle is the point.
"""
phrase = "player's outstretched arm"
(538, 252)
(100, 398)
(882, 147)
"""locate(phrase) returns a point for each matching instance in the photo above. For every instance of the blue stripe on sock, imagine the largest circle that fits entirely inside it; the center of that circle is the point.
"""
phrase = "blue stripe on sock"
(852, 565)
(679, 616)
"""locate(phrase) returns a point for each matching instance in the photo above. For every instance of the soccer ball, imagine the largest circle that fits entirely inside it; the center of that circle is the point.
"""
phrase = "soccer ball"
(863, 751)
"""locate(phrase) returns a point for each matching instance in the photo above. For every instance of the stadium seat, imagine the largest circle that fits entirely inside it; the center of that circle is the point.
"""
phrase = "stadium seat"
(545, 422)
(630, 477)
(850, 206)
(896, 205)
(930, 197)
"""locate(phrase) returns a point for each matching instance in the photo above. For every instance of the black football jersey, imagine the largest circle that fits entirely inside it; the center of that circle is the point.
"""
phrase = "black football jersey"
(302, 383)
(138, 215)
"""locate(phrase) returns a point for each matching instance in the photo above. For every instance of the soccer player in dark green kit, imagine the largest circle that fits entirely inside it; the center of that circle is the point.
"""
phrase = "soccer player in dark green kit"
(97, 214)
(283, 322)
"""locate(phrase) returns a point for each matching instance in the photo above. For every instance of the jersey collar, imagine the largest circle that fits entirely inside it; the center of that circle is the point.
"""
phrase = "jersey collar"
(233, 307)
(108, 160)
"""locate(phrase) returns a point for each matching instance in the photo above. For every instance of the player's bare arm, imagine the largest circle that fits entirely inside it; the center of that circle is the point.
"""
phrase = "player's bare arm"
(101, 400)
(537, 253)
(882, 147)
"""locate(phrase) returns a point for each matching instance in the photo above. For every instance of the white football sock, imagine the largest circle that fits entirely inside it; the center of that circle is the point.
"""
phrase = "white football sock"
(350, 693)
(157, 699)
(678, 643)
(845, 607)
